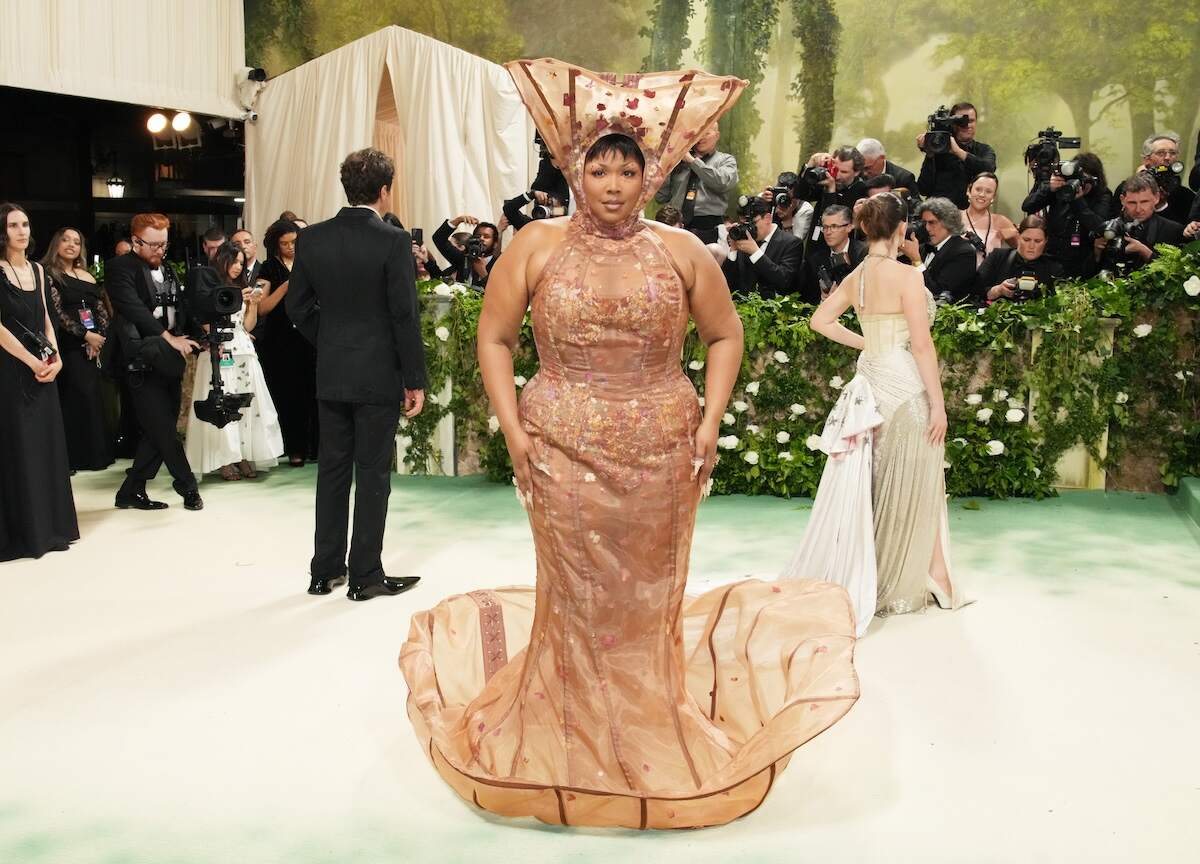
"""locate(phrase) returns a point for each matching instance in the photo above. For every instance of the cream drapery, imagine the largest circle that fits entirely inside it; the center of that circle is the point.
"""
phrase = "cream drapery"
(458, 132)
(172, 54)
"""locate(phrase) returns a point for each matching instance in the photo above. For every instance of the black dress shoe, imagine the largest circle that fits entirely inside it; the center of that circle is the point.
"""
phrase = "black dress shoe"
(192, 500)
(325, 584)
(385, 587)
(138, 501)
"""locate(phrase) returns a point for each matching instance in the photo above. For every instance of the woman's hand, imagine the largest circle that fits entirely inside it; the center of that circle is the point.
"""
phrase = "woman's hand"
(49, 370)
(93, 342)
(704, 459)
(937, 426)
(1004, 289)
(523, 455)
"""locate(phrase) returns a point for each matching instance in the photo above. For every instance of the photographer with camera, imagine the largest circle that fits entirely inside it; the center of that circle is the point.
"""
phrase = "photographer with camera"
(833, 179)
(545, 206)
(952, 155)
(153, 343)
(828, 262)
(1022, 273)
(949, 262)
(700, 185)
(875, 163)
(985, 230)
(763, 258)
(1074, 199)
(1160, 160)
(473, 264)
(233, 427)
(793, 214)
(1126, 242)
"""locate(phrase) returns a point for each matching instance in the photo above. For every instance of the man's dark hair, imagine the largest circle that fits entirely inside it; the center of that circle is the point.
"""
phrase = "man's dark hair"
(881, 181)
(838, 210)
(1091, 163)
(622, 145)
(1140, 182)
(495, 232)
(364, 173)
(963, 106)
(213, 234)
(844, 153)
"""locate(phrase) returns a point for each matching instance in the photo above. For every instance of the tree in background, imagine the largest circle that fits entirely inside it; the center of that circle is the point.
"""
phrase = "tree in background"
(601, 35)
(818, 32)
(279, 33)
(667, 34)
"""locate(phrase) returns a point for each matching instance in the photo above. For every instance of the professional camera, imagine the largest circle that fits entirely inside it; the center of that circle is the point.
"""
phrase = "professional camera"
(1117, 232)
(552, 207)
(815, 175)
(744, 228)
(1072, 172)
(1043, 157)
(784, 190)
(474, 248)
(941, 127)
(976, 241)
(215, 304)
(1168, 177)
(830, 274)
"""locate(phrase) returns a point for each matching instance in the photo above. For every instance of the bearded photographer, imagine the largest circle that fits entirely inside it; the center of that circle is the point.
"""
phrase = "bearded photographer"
(1160, 160)
(153, 343)
(699, 186)
(1074, 208)
(1126, 242)
(839, 252)
(473, 264)
(949, 261)
(763, 258)
(952, 155)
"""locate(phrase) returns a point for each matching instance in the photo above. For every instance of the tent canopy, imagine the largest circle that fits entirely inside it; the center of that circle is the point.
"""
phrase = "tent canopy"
(172, 54)
(453, 123)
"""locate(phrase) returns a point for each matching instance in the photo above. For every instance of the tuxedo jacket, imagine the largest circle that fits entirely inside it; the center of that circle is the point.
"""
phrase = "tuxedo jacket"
(904, 178)
(353, 295)
(776, 271)
(133, 294)
(952, 270)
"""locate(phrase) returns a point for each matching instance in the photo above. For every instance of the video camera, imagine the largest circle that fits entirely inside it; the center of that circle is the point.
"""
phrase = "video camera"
(1044, 159)
(215, 304)
(941, 126)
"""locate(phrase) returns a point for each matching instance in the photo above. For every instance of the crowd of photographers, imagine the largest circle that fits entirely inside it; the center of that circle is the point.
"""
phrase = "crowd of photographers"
(797, 237)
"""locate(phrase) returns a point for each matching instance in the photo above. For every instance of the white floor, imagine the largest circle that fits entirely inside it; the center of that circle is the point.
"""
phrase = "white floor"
(169, 693)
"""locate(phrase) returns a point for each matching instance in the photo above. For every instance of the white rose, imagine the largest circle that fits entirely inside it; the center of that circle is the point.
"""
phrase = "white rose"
(740, 406)
(727, 419)
(752, 388)
(783, 437)
(1037, 472)
(1121, 398)
(1015, 403)
(1180, 375)
(945, 465)
(700, 399)
(999, 395)
(432, 398)
(1014, 415)
(729, 442)
(493, 424)
(751, 457)
(836, 382)
(1142, 330)
(1192, 286)
(519, 380)
(696, 365)
(780, 357)
(442, 333)
(961, 442)
(797, 409)
(751, 428)
(995, 448)
(442, 289)
(974, 398)
(962, 328)
(983, 415)
(785, 456)
(813, 442)
(981, 311)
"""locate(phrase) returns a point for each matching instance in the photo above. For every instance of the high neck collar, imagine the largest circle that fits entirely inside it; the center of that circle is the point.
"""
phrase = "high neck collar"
(584, 222)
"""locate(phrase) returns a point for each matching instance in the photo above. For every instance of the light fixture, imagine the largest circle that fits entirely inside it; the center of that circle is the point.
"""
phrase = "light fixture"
(116, 186)
(181, 121)
(156, 123)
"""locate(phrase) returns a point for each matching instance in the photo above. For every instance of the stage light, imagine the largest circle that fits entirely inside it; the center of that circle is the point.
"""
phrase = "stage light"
(116, 186)
(157, 122)
(181, 121)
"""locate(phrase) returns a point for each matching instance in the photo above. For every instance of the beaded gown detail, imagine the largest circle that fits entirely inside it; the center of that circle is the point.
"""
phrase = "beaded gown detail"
(604, 696)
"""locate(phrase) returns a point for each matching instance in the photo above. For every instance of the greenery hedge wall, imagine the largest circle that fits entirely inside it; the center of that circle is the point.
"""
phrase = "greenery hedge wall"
(1143, 390)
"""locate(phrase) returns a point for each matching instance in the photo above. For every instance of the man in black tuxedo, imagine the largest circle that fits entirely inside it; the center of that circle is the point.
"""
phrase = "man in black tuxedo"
(766, 262)
(1145, 228)
(950, 260)
(151, 325)
(830, 260)
(467, 269)
(353, 295)
(875, 162)
(947, 175)
(244, 240)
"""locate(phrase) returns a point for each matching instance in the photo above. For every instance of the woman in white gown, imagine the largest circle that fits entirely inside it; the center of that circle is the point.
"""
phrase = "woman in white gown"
(255, 442)
(878, 525)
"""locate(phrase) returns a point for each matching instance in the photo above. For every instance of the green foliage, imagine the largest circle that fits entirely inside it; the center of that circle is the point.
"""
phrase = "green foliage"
(818, 34)
(1143, 390)
(667, 35)
(600, 34)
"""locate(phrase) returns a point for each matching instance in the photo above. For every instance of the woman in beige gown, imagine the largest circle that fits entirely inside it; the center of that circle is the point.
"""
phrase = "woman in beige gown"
(603, 696)
(878, 525)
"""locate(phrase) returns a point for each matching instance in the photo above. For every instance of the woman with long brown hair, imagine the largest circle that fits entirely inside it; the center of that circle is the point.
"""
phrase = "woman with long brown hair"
(78, 309)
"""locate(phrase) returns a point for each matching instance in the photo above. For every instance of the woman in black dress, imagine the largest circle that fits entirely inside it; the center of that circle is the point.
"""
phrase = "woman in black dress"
(37, 510)
(1022, 273)
(82, 327)
(289, 361)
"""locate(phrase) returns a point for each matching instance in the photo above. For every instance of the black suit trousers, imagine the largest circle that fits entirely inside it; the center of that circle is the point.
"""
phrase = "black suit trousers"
(356, 439)
(155, 401)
